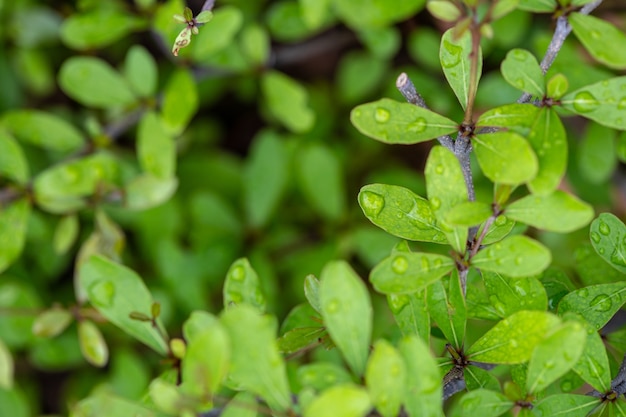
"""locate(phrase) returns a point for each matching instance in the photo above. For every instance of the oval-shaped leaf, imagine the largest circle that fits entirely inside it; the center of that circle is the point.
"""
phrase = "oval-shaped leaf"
(603, 102)
(93, 83)
(446, 304)
(607, 235)
(347, 400)
(423, 390)
(347, 312)
(287, 101)
(322, 375)
(516, 117)
(311, 292)
(596, 155)
(52, 322)
(376, 13)
(92, 343)
(242, 286)
(146, 191)
(13, 163)
(43, 129)
(390, 121)
(454, 55)
(571, 405)
(515, 256)
(405, 273)
(505, 157)
(484, 403)
(385, 378)
(595, 303)
(13, 225)
(521, 69)
(411, 313)
(557, 212)
(141, 72)
(593, 365)
(549, 141)
(469, 213)
(217, 35)
(597, 36)
(180, 101)
(156, 149)
(510, 295)
(66, 233)
(513, 339)
(97, 28)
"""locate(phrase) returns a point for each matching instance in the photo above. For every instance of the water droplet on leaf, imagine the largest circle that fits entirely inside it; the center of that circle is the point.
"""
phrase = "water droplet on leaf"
(238, 273)
(585, 102)
(332, 307)
(397, 302)
(399, 265)
(595, 237)
(371, 203)
(435, 203)
(604, 228)
(601, 302)
(382, 115)
(101, 293)
(417, 126)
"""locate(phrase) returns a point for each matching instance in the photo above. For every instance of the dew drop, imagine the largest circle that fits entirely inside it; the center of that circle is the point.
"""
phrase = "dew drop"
(235, 296)
(519, 260)
(382, 115)
(399, 265)
(435, 203)
(439, 169)
(601, 302)
(622, 104)
(417, 126)
(585, 102)
(549, 364)
(617, 257)
(332, 307)
(397, 302)
(500, 221)
(583, 292)
(519, 55)
(519, 83)
(102, 293)
(371, 203)
(604, 228)
(595, 34)
(454, 54)
(437, 263)
(238, 273)
(595, 236)
(425, 264)
(513, 343)
(394, 370)
(567, 386)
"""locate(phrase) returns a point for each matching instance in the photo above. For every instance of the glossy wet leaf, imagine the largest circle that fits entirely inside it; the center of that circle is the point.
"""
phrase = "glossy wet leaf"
(470, 213)
(256, 364)
(557, 86)
(515, 256)
(322, 375)
(141, 72)
(43, 130)
(477, 378)
(602, 102)
(300, 338)
(593, 365)
(454, 55)
(116, 291)
(571, 405)
(147, 191)
(98, 27)
(498, 230)
(445, 186)
(13, 163)
(513, 339)
(346, 400)
(320, 175)
(311, 292)
(446, 304)
(92, 343)
(557, 212)
(94, 83)
(242, 286)
(505, 157)
(401, 212)
(180, 101)
(405, 273)
(521, 69)
(515, 117)
(288, 101)
(597, 36)
(411, 313)
(156, 149)
(509, 295)
(423, 390)
(483, 402)
(375, 13)
(608, 235)
(7, 367)
(347, 312)
(595, 303)
(52, 322)
(393, 122)
(13, 227)
(206, 360)
(555, 355)
(385, 378)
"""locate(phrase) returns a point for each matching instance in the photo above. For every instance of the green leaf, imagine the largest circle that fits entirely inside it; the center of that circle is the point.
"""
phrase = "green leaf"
(346, 400)
(454, 55)
(287, 100)
(13, 227)
(300, 339)
(515, 256)
(7, 367)
(503, 7)
(13, 163)
(265, 177)
(484, 403)
(218, 34)
(557, 86)
(242, 405)
(321, 179)
(141, 72)
(43, 129)
(537, 6)
(405, 273)
(498, 230)
(15, 330)
(600, 102)
(311, 292)
(557, 212)
(256, 364)
(505, 157)
(359, 75)
(206, 360)
(555, 355)
(607, 235)
(116, 291)
(375, 13)
(65, 234)
(521, 69)
(105, 403)
(570, 405)
(401, 212)
(597, 158)
(446, 304)
(94, 83)
(390, 121)
(314, 12)
(593, 366)
(382, 43)
(445, 186)
(469, 213)
(385, 378)
(165, 395)
(510, 295)
(180, 101)
(92, 344)
(549, 141)
(242, 286)
(255, 44)
(597, 36)
(156, 149)
(477, 378)
(98, 28)
(595, 303)
(204, 16)
(411, 313)
(423, 389)
(517, 118)
(443, 10)
(513, 339)
(146, 191)
(322, 375)
(52, 322)
(347, 312)
(197, 322)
